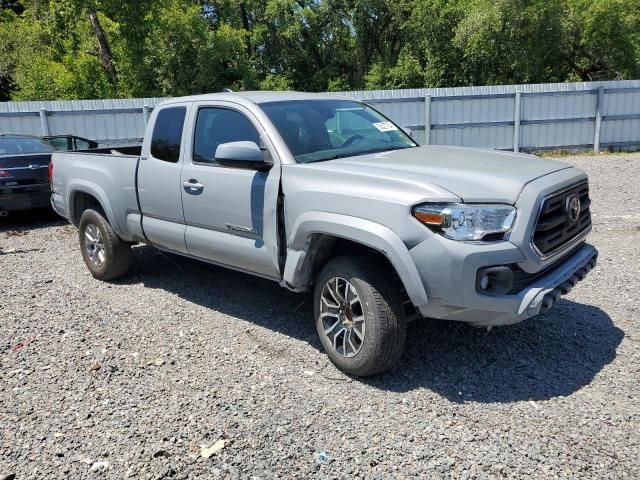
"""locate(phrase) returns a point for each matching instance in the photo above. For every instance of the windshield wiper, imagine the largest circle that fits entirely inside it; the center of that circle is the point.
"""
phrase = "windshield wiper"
(390, 148)
(357, 154)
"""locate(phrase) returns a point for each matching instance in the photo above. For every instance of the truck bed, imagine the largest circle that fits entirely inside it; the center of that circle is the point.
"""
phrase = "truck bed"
(108, 174)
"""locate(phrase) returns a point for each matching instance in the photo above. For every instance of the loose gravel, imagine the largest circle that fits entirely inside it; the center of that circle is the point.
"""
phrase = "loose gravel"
(184, 370)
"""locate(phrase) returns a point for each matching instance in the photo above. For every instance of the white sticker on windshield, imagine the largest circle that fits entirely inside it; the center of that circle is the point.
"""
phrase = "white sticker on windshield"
(385, 126)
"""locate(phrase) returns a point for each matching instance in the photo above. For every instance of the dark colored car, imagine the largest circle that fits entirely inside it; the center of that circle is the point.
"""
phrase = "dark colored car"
(24, 164)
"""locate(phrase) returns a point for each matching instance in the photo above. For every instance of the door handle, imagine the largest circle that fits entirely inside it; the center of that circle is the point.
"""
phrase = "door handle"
(193, 186)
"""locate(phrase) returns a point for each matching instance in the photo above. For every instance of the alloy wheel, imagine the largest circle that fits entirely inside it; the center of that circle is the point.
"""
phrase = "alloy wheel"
(342, 316)
(94, 244)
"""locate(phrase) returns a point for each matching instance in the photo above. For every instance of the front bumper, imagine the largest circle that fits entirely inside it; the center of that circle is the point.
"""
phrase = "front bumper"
(449, 269)
(25, 197)
(455, 297)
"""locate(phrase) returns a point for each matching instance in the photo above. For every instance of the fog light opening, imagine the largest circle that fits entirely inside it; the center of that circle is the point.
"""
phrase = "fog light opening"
(494, 281)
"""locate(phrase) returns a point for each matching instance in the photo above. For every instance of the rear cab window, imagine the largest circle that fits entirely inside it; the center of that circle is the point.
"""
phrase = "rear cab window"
(166, 139)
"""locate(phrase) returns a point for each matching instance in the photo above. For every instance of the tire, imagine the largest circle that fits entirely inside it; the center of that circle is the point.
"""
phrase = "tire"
(376, 314)
(104, 253)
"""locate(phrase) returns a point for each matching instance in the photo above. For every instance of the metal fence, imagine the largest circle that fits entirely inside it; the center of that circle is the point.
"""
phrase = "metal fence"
(106, 121)
(518, 117)
(508, 117)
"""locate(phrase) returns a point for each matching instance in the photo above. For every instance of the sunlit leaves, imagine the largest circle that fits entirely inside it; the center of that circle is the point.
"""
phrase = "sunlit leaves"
(48, 48)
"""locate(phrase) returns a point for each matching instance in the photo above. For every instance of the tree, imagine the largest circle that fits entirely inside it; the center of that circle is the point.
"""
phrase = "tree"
(511, 41)
(103, 44)
(123, 48)
(7, 19)
(187, 57)
(602, 39)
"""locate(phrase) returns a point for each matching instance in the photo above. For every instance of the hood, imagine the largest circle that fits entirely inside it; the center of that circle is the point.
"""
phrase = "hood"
(473, 175)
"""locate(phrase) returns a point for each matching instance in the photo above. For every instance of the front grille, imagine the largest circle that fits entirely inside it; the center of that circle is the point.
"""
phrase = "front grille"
(555, 228)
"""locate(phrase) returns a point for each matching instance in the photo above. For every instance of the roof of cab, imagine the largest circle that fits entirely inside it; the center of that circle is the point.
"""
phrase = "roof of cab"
(19, 135)
(255, 97)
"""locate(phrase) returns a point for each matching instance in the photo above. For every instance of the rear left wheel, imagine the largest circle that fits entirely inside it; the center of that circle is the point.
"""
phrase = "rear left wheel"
(105, 254)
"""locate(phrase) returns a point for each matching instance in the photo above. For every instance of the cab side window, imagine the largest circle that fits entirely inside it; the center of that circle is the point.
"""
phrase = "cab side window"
(59, 144)
(215, 126)
(167, 134)
(82, 144)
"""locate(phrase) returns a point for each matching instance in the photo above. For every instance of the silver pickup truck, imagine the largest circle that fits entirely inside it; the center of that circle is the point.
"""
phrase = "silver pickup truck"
(324, 193)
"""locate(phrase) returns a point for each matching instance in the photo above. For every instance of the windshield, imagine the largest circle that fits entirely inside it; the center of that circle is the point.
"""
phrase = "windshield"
(20, 145)
(318, 130)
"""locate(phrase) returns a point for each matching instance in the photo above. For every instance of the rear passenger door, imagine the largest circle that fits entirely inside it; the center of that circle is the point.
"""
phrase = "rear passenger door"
(159, 186)
(231, 215)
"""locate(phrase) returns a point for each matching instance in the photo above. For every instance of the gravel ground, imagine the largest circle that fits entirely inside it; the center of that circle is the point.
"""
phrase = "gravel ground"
(131, 379)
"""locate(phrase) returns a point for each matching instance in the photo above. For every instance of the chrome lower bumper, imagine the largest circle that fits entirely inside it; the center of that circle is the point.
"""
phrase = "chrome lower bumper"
(541, 295)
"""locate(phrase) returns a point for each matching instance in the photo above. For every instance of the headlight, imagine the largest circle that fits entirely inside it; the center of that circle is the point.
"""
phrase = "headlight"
(466, 222)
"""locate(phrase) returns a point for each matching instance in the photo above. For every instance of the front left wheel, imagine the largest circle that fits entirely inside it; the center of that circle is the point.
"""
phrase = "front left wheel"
(359, 315)
(105, 254)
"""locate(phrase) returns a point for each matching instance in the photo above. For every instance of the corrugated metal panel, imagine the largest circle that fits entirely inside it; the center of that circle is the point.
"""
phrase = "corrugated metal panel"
(20, 125)
(406, 114)
(557, 135)
(475, 110)
(108, 121)
(558, 106)
(620, 131)
(418, 136)
(479, 137)
(490, 89)
(622, 103)
(551, 115)
(79, 105)
(102, 126)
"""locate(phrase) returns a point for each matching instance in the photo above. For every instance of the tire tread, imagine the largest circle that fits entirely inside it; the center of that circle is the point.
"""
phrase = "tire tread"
(118, 250)
(384, 290)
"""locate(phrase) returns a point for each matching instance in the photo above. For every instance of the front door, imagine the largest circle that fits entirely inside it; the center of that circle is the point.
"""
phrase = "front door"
(230, 213)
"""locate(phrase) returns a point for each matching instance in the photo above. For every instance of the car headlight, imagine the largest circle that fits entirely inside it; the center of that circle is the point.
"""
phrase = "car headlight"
(466, 222)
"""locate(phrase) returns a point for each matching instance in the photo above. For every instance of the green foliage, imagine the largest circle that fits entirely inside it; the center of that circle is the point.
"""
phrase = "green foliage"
(602, 39)
(176, 51)
(406, 73)
(44, 79)
(510, 41)
(120, 48)
(276, 83)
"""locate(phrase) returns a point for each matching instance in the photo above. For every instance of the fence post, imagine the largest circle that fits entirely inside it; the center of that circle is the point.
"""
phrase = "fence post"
(44, 124)
(596, 132)
(145, 114)
(427, 119)
(517, 116)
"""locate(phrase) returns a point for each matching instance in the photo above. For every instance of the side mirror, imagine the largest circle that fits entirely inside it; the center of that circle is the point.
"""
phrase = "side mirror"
(242, 155)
